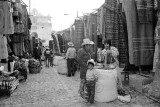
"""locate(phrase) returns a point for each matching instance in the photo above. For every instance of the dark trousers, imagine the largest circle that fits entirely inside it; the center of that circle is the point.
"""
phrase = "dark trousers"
(47, 60)
(90, 87)
(51, 61)
(70, 66)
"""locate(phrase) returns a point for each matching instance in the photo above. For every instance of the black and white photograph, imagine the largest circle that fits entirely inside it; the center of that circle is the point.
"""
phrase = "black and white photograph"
(80, 53)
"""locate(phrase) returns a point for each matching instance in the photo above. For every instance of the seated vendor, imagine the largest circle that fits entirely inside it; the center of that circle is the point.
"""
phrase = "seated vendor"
(110, 60)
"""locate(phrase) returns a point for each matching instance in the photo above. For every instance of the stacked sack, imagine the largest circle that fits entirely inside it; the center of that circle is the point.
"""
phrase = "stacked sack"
(34, 66)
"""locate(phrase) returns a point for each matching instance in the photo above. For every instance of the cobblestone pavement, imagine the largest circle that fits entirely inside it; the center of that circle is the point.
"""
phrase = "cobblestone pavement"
(50, 89)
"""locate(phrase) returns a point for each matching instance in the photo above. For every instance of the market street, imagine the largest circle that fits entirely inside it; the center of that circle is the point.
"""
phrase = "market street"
(50, 89)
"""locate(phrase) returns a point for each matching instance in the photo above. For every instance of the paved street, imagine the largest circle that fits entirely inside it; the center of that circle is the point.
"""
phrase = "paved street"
(50, 89)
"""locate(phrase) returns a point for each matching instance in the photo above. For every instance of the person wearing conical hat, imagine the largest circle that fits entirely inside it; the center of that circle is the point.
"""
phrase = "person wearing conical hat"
(70, 56)
(83, 55)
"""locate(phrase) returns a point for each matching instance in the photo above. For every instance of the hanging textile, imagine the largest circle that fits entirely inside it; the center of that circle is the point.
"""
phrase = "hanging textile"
(8, 45)
(129, 7)
(3, 47)
(143, 42)
(51, 44)
(25, 20)
(17, 41)
(88, 26)
(18, 49)
(18, 20)
(114, 28)
(100, 20)
(85, 20)
(6, 18)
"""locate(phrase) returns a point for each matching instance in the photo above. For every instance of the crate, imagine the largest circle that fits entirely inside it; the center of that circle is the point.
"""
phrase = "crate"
(138, 82)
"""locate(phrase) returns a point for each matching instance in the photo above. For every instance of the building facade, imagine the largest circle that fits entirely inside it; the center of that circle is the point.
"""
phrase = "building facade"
(41, 25)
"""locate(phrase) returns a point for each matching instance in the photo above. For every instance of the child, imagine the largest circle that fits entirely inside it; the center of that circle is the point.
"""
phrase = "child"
(91, 78)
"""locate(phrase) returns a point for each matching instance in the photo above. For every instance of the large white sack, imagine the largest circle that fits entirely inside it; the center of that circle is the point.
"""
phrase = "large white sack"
(62, 66)
(106, 86)
(56, 58)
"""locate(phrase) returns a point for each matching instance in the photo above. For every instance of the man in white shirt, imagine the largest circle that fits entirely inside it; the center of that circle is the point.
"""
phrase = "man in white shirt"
(70, 56)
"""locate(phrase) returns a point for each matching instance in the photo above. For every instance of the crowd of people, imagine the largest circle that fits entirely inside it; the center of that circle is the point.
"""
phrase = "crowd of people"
(48, 54)
(83, 57)
(88, 74)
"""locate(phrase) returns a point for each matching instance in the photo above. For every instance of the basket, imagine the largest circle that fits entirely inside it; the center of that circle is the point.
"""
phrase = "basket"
(34, 70)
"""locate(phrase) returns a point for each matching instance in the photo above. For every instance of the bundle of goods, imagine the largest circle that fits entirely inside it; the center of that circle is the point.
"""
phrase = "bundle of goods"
(34, 66)
(106, 86)
(62, 66)
(56, 58)
(8, 82)
(21, 67)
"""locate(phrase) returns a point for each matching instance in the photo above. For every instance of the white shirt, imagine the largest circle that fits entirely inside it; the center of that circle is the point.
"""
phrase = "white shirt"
(91, 75)
(71, 53)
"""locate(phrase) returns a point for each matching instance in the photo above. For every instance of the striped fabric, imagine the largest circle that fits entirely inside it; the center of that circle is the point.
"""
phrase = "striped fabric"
(8, 84)
(114, 28)
(143, 42)
(129, 7)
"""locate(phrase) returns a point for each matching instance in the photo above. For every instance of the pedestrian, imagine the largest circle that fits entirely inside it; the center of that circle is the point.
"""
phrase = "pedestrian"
(70, 56)
(83, 56)
(51, 58)
(37, 52)
(91, 78)
(47, 54)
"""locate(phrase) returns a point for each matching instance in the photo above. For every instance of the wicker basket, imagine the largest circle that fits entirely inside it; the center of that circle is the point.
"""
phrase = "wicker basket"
(34, 70)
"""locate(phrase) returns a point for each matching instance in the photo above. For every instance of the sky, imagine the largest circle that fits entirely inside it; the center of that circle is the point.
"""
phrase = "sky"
(57, 8)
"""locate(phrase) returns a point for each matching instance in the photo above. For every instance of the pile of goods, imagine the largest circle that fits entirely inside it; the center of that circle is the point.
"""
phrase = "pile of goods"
(106, 86)
(8, 82)
(34, 66)
(56, 59)
(22, 68)
(62, 66)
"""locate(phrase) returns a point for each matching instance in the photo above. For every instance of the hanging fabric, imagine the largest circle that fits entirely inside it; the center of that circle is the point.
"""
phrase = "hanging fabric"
(143, 42)
(3, 47)
(25, 19)
(100, 20)
(6, 19)
(114, 28)
(18, 20)
(129, 7)
(18, 46)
